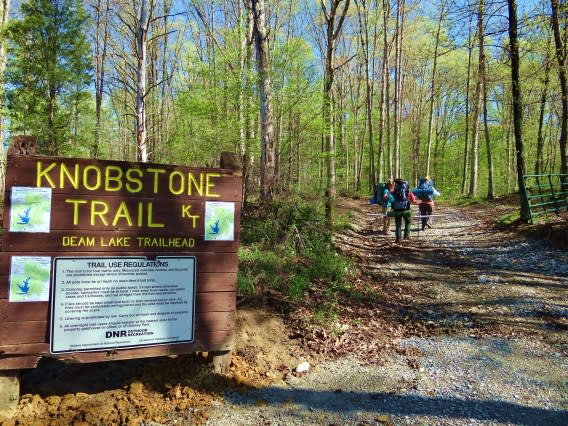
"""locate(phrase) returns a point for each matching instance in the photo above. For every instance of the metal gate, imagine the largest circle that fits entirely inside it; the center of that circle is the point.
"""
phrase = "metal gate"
(545, 193)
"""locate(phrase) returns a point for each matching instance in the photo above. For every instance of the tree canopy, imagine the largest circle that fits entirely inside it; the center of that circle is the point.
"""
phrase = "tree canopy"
(401, 87)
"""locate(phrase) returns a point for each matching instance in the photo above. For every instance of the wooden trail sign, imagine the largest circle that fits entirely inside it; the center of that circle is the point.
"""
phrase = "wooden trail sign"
(106, 260)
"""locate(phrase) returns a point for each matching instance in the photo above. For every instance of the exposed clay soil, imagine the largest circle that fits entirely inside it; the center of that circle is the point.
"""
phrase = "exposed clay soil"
(463, 278)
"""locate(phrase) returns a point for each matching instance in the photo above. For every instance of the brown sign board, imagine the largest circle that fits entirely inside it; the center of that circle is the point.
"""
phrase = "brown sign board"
(110, 260)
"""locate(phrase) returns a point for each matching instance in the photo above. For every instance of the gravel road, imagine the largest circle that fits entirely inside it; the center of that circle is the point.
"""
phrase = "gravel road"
(509, 366)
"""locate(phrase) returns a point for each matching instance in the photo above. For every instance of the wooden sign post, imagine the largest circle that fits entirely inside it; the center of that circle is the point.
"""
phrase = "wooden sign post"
(108, 260)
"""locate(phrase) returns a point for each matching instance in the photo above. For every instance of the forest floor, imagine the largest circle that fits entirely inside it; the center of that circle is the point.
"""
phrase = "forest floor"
(465, 323)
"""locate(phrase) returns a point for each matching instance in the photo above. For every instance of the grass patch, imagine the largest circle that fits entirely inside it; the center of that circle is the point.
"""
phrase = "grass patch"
(508, 219)
(285, 246)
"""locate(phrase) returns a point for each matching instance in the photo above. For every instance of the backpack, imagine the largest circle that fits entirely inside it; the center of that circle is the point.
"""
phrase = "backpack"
(377, 197)
(401, 201)
(424, 191)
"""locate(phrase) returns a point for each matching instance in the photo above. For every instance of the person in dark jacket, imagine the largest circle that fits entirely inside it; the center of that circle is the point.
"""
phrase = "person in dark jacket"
(403, 198)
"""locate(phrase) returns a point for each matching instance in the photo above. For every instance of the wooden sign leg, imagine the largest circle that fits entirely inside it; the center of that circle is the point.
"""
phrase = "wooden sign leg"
(9, 392)
(221, 361)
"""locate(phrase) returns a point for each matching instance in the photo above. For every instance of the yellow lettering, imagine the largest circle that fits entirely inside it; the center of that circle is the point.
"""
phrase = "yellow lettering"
(136, 181)
(198, 185)
(210, 184)
(185, 212)
(75, 208)
(97, 175)
(156, 173)
(100, 213)
(117, 178)
(151, 224)
(65, 172)
(115, 242)
(140, 214)
(44, 173)
(122, 213)
(181, 183)
(68, 241)
(165, 242)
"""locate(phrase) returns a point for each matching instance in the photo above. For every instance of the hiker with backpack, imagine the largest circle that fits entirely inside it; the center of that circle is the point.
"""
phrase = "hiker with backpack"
(403, 198)
(382, 195)
(425, 192)
(387, 200)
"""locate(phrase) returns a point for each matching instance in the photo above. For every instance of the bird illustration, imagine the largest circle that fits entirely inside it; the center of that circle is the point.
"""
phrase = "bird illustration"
(215, 227)
(25, 287)
(25, 218)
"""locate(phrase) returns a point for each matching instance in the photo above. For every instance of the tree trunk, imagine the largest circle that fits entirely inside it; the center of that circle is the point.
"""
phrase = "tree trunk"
(398, 86)
(474, 171)
(490, 189)
(385, 95)
(362, 15)
(559, 42)
(141, 72)
(4, 23)
(247, 132)
(267, 161)
(517, 106)
(102, 12)
(433, 87)
(466, 132)
(539, 161)
(333, 31)
(509, 147)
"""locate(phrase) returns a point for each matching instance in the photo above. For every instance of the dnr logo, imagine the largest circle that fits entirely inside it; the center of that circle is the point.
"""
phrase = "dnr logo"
(111, 334)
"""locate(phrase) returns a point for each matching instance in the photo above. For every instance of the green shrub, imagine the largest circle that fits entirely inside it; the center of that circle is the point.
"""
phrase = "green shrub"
(286, 246)
(297, 286)
(245, 285)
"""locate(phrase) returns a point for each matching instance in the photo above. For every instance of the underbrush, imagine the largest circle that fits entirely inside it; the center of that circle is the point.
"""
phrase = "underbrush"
(286, 249)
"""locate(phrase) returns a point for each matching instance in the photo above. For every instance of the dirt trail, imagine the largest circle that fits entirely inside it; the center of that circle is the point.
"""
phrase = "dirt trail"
(461, 324)
(465, 271)
(466, 324)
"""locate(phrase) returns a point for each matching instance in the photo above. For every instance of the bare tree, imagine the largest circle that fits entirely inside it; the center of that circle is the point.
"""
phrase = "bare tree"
(399, 32)
(144, 16)
(474, 171)
(467, 114)
(539, 161)
(517, 105)
(384, 132)
(3, 23)
(101, 12)
(368, 49)
(562, 58)
(267, 161)
(333, 30)
(490, 189)
(433, 86)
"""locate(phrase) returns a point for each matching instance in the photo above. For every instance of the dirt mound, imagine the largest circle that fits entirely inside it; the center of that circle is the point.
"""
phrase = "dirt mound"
(163, 390)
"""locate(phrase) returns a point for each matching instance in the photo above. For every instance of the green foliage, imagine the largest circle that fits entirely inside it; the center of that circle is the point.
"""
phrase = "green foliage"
(298, 285)
(287, 248)
(245, 286)
(508, 218)
(48, 71)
